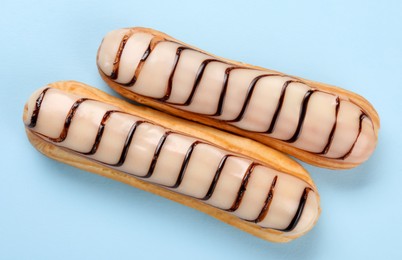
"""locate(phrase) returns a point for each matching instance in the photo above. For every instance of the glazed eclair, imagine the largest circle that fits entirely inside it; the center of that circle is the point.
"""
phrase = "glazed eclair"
(233, 179)
(317, 123)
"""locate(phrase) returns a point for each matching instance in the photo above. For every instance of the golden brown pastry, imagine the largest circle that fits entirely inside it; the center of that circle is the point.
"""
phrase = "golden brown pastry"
(317, 123)
(233, 179)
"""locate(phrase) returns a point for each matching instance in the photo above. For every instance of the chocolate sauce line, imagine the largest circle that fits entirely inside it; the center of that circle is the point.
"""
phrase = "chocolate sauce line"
(219, 108)
(250, 92)
(299, 211)
(184, 165)
(361, 118)
(332, 133)
(215, 180)
(99, 134)
(197, 81)
(243, 188)
(139, 66)
(68, 120)
(156, 154)
(302, 116)
(116, 63)
(35, 113)
(267, 203)
(187, 158)
(127, 143)
(278, 108)
(172, 73)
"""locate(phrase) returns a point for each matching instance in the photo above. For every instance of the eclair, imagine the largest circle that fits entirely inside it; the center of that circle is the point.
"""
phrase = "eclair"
(236, 180)
(320, 124)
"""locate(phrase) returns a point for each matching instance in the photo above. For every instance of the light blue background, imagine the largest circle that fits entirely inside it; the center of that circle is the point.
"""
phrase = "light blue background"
(53, 211)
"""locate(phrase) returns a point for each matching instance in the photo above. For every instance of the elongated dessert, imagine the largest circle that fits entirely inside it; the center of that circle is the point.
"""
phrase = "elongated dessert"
(233, 179)
(317, 123)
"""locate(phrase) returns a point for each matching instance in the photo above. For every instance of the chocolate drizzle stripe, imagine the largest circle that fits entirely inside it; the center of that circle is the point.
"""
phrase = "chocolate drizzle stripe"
(156, 154)
(171, 76)
(222, 96)
(35, 113)
(249, 95)
(267, 203)
(184, 165)
(279, 106)
(216, 177)
(299, 211)
(116, 63)
(302, 116)
(127, 143)
(99, 134)
(197, 80)
(332, 133)
(68, 120)
(361, 118)
(140, 65)
(242, 189)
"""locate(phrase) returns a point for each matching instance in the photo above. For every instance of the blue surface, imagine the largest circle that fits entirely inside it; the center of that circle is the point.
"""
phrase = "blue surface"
(53, 211)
